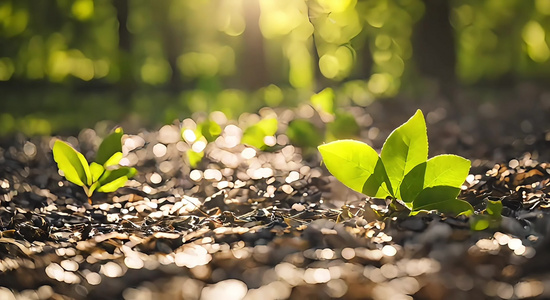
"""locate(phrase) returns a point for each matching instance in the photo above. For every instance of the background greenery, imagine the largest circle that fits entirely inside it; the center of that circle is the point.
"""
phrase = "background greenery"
(70, 63)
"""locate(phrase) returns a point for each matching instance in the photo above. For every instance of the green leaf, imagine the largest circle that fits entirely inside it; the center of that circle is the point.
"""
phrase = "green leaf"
(109, 147)
(480, 222)
(96, 170)
(72, 163)
(442, 170)
(255, 134)
(443, 199)
(90, 191)
(324, 101)
(405, 148)
(113, 160)
(356, 165)
(113, 180)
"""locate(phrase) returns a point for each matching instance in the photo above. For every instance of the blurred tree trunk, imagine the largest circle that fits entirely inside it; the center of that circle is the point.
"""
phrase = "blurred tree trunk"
(318, 78)
(124, 36)
(365, 59)
(171, 39)
(126, 81)
(253, 65)
(434, 44)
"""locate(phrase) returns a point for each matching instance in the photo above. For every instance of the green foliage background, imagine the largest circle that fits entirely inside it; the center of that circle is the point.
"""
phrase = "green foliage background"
(164, 59)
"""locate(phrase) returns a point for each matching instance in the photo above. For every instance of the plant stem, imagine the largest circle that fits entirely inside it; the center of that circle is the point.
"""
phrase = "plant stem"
(88, 193)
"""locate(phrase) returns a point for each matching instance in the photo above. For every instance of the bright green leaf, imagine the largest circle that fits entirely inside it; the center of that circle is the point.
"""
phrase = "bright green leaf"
(480, 222)
(90, 191)
(72, 163)
(113, 180)
(442, 170)
(109, 147)
(113, 160)
(324, 101)
(405, 148)
(356, 165)
(96, 170)
(379, 184)
(447, 169)
(113, 185)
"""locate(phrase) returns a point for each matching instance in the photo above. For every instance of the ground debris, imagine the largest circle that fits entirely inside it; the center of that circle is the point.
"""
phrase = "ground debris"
(269, 225)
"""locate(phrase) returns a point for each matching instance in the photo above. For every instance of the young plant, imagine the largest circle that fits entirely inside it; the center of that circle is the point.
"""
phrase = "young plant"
(103, 175)
(402, 171)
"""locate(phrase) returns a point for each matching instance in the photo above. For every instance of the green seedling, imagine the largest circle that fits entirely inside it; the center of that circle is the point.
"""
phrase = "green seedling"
(402, 171)
(103, 175)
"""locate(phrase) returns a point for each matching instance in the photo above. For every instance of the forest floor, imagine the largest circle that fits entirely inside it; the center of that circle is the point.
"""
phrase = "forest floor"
(274, 225)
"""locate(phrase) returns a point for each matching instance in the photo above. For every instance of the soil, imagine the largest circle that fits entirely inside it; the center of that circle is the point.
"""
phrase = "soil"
(273, 224)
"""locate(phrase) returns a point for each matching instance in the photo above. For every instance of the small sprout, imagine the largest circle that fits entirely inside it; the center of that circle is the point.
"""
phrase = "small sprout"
(402, 171)
(103, 175)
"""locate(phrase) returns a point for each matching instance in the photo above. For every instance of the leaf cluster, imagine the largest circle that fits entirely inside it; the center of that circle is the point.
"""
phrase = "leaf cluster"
(402, 171)
(102, 175)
